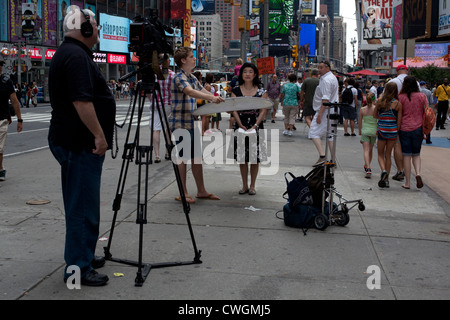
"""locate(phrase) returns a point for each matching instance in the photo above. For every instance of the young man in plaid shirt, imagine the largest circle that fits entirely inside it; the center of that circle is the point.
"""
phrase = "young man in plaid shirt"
(186, 89)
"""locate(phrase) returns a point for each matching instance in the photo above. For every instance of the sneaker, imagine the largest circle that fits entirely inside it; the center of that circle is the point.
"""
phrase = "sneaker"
(382, 182)
(2, 175)
(399, 176)
(290, 133)
(368, 173)
(285, 133)
(320, 161)
(386, 184)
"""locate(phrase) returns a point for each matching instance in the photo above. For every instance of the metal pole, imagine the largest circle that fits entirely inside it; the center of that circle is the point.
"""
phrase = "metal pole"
(244, 13)
(266, 37)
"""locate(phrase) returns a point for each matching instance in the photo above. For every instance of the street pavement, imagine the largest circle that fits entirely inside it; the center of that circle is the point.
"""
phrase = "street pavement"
(403, 236)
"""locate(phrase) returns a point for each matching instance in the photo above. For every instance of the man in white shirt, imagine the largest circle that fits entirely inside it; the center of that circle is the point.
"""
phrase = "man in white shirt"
(326, 91)
(374, 88)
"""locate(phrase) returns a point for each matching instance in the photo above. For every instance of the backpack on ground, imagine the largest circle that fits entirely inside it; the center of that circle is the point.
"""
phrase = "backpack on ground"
(429, 120)
(301, 216)
(297, 191)
(347, 96)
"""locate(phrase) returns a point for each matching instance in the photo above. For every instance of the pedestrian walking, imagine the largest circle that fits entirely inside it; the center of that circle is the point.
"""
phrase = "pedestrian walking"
(289, 101)
(443, 95)
(429, 95)
(274, 91)
(166, 88)
(350, 97)
(81, 131)
(388, 111)
(307, 95)
(7, 92)
(413, 107)
(327, 91)
(367, 126)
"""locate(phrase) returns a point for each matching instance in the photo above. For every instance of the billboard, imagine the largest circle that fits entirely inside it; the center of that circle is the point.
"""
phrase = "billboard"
(425, 53)
(308, 39)
(309, 8)
(376, 24)
(416, 18)
(281, 17)
(203, 7)
(444, 18)
(115, 33)
(4, 30)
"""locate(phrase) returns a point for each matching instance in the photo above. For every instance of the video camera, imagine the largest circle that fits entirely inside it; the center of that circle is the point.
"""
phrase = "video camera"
(148, 40)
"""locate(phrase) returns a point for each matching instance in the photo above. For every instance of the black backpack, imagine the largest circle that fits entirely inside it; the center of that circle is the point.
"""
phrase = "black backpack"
(347, 96)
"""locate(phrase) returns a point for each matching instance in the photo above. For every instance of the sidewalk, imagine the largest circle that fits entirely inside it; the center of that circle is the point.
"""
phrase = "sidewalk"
(246, 254)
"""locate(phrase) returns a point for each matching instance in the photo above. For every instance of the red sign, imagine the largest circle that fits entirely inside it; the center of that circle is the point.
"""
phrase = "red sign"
(49, 54)
(117, 58)
(265, 65)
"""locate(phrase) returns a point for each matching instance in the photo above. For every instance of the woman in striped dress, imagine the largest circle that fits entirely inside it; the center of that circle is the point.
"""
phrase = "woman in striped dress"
(388, 111)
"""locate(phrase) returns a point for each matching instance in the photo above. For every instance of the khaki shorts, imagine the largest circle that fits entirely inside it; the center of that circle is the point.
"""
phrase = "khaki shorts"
(290, 114)
(3, 130)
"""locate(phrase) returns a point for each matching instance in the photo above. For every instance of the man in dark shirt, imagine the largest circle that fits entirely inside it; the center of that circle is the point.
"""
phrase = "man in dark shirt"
(81, 130)
(7, 92)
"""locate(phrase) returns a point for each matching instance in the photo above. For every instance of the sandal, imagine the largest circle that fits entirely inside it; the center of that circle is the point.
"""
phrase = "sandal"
(252, 192)
(210, 196)
(189, 199)
(242, 191)
(419, 182)
(157, 159)
(167, 157)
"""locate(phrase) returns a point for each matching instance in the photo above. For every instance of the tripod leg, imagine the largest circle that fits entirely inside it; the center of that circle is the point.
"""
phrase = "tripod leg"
(170, 146)
(143, 159)
(127, 157)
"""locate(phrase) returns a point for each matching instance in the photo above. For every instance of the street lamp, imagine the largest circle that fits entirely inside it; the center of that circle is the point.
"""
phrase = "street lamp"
(353, 42)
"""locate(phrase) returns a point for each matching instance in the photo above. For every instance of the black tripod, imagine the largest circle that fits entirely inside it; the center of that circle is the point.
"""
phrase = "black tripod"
(143, 160)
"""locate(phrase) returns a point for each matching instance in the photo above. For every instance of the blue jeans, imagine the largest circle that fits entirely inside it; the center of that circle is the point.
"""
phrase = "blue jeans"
(411, 142)
(81, 179)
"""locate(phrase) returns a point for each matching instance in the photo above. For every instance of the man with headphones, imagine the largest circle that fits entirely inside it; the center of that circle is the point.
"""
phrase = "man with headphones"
(81, 131)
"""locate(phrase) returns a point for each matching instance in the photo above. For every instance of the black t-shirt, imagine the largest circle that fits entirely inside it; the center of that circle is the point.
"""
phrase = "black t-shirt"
(74, 76)
(6, 89)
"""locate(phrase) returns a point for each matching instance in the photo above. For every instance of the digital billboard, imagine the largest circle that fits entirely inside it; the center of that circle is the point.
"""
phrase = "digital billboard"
(115, 33)
(203, 7)
(436, 54)
(308, 39)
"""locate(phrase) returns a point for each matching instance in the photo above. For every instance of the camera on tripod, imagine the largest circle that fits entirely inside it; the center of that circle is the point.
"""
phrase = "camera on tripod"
(148, 40)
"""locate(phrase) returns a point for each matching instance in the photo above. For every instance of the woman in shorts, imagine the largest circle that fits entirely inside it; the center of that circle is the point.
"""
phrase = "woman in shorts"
(414, 103)
(388, 111)
(367, 125)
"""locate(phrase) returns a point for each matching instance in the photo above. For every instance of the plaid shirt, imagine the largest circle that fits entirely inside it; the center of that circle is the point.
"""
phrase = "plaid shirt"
(183, 105)
(165, 88)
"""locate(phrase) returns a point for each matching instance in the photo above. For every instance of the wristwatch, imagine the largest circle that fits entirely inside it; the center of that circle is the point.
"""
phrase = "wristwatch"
(20, 120)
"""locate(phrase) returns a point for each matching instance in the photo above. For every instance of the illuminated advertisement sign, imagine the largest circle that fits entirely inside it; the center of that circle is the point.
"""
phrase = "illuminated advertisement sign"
(426, 54)
(116, 58)
(203, 7)
(308, 39)
(115, 33)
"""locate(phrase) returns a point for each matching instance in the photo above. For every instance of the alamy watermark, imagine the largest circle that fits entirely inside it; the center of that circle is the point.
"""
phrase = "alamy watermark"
(374, 280)
(231, 148)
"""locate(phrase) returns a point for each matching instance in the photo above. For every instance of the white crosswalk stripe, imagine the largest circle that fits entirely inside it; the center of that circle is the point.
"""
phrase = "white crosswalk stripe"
(45, 117)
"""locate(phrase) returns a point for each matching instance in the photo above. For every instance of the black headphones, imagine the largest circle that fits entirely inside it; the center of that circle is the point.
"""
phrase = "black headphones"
(86, 27)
